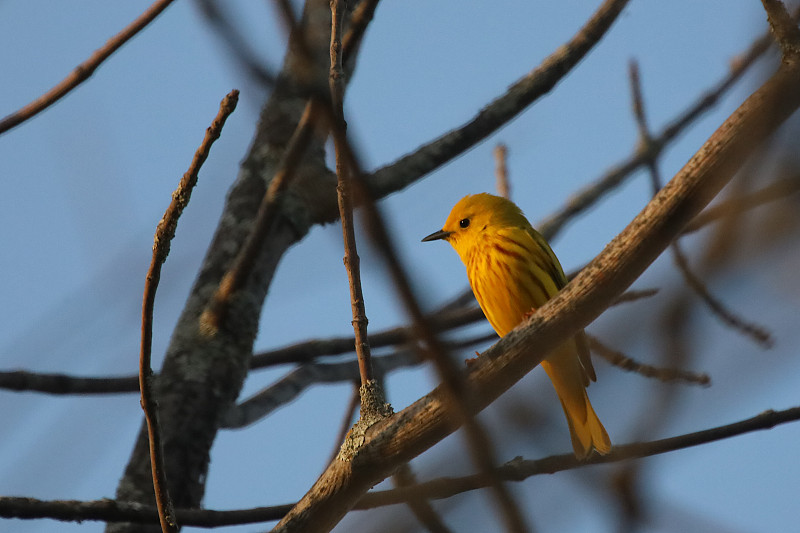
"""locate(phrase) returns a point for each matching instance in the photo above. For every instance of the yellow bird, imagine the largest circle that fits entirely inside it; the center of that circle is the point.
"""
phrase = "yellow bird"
(513, 271)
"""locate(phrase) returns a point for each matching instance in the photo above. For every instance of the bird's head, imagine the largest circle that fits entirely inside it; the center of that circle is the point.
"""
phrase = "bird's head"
(476, 217)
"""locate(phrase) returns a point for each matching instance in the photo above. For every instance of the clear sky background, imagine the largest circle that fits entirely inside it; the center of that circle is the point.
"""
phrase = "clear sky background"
(86, 182)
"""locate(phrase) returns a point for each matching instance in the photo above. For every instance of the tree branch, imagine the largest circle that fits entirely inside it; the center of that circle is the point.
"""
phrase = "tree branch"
(520, 95)
(83, 71)
(517, 469)
(352, 262)
(165, 232)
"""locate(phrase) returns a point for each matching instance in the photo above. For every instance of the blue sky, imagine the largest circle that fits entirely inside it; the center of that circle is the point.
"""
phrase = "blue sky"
(88, 179)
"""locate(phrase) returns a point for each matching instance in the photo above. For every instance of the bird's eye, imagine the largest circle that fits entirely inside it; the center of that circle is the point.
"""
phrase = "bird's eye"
(464, 222)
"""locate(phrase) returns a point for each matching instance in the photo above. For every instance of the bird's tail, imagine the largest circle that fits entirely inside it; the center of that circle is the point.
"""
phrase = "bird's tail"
(570, 380)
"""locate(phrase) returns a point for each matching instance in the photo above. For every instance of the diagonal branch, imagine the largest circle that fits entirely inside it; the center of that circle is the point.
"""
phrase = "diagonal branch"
(83, 71)
(298, 380)
(520, 95)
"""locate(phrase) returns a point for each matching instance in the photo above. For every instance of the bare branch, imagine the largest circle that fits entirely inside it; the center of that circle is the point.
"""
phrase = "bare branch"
(303, 352)
(620, 360)
(298, 380)
(634, 295)
(241, 51)
(783, 27)
(517, 469)
(83, 71)
(164, 235)
(501, 171)
(352, 262)
(521, 94)
(22, 380)
(760, 334)
(359, 21)
(309, 350)
(421, 507)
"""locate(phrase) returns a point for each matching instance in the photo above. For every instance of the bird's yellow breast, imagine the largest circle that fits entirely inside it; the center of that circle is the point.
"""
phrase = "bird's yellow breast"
(511, 275)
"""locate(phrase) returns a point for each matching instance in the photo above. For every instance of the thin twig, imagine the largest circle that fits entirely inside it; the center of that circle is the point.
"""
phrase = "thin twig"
(501, 171)
(83, 71)
(164, 235)
(760, 334)
(620, 360)
(352, 262)
(517, 469)
(634, 295)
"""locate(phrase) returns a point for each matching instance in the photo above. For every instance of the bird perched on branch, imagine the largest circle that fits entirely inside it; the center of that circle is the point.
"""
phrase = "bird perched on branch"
(512, 272)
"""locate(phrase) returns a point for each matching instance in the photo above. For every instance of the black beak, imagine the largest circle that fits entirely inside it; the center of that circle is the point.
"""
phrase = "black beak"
(436, 235)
